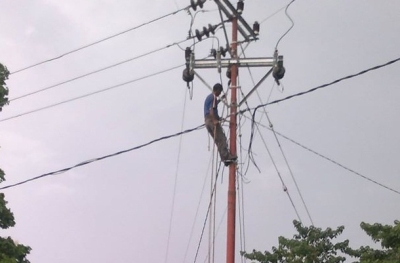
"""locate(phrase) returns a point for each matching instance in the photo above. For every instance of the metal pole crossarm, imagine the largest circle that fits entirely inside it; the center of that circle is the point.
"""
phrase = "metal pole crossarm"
(227, 62)
(234, 13)
(255, 87)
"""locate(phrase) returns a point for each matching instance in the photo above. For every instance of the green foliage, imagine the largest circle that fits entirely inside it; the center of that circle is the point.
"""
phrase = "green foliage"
(2, 179)
(3, 87)
(11, 252)
(310, 245)
(389, 238)
(6, 216)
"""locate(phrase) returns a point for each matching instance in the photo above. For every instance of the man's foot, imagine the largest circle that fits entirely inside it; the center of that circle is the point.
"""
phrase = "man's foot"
(229, 160)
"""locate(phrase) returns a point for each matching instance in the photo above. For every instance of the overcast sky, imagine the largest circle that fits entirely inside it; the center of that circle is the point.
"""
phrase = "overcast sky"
(119, 209)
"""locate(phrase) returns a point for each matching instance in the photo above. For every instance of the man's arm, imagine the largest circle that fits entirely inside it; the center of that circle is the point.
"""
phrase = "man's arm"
(214, 106)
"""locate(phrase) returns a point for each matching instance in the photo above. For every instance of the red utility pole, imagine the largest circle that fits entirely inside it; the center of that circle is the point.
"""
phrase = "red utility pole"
(230, 248)
(239, 25)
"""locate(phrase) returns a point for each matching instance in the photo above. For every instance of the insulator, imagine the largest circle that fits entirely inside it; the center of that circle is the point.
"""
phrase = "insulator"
(199, 34)
(188, 51)
(206, 32)
(223, 51)
(256, 28)
(212, 28)
(278, 71)
(195, 3)
(187, 75)
(240, 7)
(214, 53)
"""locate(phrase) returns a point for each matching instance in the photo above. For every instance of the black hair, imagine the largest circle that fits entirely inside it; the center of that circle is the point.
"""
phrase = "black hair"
(217, 87)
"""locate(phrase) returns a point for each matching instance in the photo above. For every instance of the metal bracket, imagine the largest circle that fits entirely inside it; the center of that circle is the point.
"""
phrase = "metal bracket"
(230, 11)
(255, 87)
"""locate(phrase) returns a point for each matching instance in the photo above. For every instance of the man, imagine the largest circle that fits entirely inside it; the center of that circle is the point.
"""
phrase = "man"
(213, 125)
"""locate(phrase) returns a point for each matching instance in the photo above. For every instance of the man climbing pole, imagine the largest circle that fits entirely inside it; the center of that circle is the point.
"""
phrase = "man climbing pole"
(213, 125)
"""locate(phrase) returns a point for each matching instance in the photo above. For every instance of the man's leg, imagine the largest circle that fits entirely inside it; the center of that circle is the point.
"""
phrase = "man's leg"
(220, 141)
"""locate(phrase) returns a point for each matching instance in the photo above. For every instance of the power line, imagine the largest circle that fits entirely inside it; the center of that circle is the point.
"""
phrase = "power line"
(102, 158)
(273, 14)
(329, 159)
(210, 163)
(283, 154)
(336, 163)
(176, 180)
(99, 41)
(97, 71)
(89, 94)
(320, 87)
(290, 28)
(205, 220)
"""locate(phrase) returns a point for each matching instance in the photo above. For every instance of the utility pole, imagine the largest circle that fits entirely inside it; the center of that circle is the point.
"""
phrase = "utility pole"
(239, 25)
(231, 221)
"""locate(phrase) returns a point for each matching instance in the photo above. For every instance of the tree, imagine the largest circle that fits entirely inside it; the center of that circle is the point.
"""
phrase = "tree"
(10, 251)
(389, 238)
(310, 245)
(3, 88)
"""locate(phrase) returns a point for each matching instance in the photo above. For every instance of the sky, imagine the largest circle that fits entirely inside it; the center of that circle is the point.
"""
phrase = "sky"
(150, 204)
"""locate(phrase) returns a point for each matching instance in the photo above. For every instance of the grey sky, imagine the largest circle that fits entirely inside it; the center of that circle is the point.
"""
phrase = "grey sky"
(118, 209)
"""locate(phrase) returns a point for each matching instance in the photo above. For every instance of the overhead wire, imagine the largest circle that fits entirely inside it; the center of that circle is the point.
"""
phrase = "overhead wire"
(284, 187)
(198, 208)
(330, 160)
(102, 157)
(205, 221)
(90, 94)
(213, 201)
(241, 193)
(335, 162)
(176, 179)
(273, 14)
(290, 28)
(99, 70)
(99, 41)
(202, 125)
(280, 147)
(323, 86)
(224, 28)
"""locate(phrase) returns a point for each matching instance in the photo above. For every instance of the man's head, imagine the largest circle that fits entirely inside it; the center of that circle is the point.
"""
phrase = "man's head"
(217, 89)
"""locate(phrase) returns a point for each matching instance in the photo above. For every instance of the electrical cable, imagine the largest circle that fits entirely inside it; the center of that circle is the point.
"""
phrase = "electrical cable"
(285, 189)
(99, 70)
(290, 28)
(224, 28)
(320, 87)
(219, 226)
(99, 41)
(176, 179)
(205, 221)
(198, 208)
(335, 162)
(90, 94)
(329, 159)
(241, 196)
(213, 200)
(280, 147)
(103, 157)
(273, 14)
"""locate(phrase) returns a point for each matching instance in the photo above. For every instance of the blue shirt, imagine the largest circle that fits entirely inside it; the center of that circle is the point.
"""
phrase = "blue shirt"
(211, 102)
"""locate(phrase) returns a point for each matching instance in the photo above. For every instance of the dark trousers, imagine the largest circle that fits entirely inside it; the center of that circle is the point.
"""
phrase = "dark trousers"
(218, 134)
